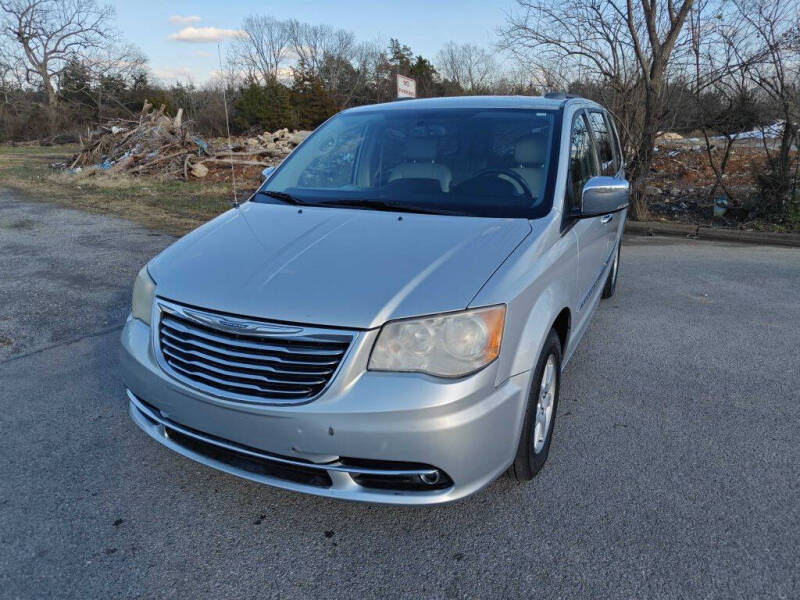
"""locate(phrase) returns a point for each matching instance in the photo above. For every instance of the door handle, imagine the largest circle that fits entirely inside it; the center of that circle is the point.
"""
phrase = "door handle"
(606, 219)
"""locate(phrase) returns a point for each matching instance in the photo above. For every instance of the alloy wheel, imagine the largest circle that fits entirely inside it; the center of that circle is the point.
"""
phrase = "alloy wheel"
(544, 405)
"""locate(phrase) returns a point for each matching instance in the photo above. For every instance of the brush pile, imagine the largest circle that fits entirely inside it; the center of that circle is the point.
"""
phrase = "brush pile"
(158, 144)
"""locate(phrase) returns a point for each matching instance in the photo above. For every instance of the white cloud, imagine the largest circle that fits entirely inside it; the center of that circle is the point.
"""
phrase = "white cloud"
(236, 74)
(285, 75)
(205, 34)
(170, 74)
(179, 20)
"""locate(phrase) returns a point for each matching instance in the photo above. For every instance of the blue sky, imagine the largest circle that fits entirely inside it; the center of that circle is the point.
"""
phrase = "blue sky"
(425, 26)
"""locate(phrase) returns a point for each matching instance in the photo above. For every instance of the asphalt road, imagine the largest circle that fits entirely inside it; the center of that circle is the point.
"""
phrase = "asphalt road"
(674, 473)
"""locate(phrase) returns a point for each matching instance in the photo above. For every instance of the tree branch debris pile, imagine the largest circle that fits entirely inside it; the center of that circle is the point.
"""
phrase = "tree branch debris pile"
(158, 144)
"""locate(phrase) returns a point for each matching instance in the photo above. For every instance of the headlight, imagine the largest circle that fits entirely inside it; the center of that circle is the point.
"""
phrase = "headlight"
(143, 291)
(450, 345)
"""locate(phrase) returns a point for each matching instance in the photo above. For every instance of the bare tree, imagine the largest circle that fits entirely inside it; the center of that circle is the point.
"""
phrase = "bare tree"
(120, 63)
(264, 49)
(719, 84)
(514, 82)
(624, 47)
(771, 27)
(10, 88)
(469, 66)
(48, 33)
(341, 64)
(313, 43)
(347, 75)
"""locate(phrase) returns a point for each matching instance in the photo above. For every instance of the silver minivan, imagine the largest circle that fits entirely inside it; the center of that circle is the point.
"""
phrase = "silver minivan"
(388, 317)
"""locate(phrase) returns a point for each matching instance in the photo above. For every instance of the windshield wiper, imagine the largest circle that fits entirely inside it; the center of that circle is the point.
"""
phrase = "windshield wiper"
(355, 203)
(392, 207)
(283, 196)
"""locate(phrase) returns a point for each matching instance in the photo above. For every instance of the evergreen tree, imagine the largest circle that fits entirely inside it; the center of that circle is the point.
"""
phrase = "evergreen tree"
(312, 103)
(264, 107)
(75, 84)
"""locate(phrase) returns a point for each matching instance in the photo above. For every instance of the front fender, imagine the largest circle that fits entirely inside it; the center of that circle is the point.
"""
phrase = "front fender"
(536, 283)
(528, 342)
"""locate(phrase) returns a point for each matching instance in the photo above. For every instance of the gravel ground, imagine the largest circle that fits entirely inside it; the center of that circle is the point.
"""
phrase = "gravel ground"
(674, 471)
(65, 273)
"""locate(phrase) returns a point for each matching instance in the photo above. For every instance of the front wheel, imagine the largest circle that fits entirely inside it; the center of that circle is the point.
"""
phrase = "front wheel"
(540, 416)
(611, 281)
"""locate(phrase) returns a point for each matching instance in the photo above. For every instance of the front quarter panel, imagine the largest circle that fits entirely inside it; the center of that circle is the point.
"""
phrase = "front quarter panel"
(536, 283)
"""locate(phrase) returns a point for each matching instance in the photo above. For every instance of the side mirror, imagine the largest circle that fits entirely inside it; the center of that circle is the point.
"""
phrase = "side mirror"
(602, 195)
(267, 173)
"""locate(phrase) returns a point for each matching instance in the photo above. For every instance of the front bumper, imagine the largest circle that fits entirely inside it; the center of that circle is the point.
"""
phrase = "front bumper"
(466, 429)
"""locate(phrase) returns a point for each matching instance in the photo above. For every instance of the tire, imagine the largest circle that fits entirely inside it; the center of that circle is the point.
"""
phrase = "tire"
(611, 281)
(534, 448)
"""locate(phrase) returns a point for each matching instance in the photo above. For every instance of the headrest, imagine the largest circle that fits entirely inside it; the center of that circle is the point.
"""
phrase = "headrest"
(530, 149)
(421, 149)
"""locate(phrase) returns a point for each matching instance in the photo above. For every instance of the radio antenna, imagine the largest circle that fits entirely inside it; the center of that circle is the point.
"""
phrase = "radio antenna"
(228, 127)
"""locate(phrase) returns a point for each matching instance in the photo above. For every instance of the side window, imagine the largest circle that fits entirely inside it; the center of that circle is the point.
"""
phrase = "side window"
(582, 164)
(604, 144)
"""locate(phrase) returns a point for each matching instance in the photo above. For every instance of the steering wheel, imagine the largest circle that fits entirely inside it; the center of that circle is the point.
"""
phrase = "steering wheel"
(517, 180)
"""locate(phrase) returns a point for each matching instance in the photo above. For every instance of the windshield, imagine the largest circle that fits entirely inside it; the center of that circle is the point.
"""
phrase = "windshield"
(475, 162)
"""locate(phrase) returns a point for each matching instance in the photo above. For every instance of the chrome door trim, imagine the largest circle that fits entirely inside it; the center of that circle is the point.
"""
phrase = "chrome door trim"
(592, 289)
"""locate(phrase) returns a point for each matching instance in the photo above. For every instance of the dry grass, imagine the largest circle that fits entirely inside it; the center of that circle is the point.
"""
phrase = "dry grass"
(166, 204)
(177, 207)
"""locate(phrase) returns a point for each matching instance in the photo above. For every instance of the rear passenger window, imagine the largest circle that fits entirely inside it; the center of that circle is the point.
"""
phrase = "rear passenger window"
(582, 163)
(604, 144)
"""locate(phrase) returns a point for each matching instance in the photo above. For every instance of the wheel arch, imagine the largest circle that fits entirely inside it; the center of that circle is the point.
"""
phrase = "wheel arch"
(562, 324)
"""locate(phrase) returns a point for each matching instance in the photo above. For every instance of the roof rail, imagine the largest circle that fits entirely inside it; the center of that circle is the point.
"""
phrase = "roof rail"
(560, 96)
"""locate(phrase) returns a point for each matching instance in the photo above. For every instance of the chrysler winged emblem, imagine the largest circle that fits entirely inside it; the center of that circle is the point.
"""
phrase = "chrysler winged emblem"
(236, 325)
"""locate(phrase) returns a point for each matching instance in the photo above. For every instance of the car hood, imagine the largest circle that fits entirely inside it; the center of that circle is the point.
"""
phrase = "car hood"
(333, 266)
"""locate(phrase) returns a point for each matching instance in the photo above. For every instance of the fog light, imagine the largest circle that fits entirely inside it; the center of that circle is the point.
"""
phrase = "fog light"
(430, 478)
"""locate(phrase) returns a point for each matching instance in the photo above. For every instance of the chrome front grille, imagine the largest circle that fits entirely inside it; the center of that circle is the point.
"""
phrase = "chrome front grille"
(247, 359)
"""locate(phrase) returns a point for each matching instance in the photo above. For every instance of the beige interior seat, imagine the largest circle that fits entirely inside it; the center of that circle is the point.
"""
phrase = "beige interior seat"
(421, 164)
(529, 157)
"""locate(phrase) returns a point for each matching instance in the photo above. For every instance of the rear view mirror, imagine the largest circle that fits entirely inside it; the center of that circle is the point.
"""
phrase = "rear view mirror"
(602, 195)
